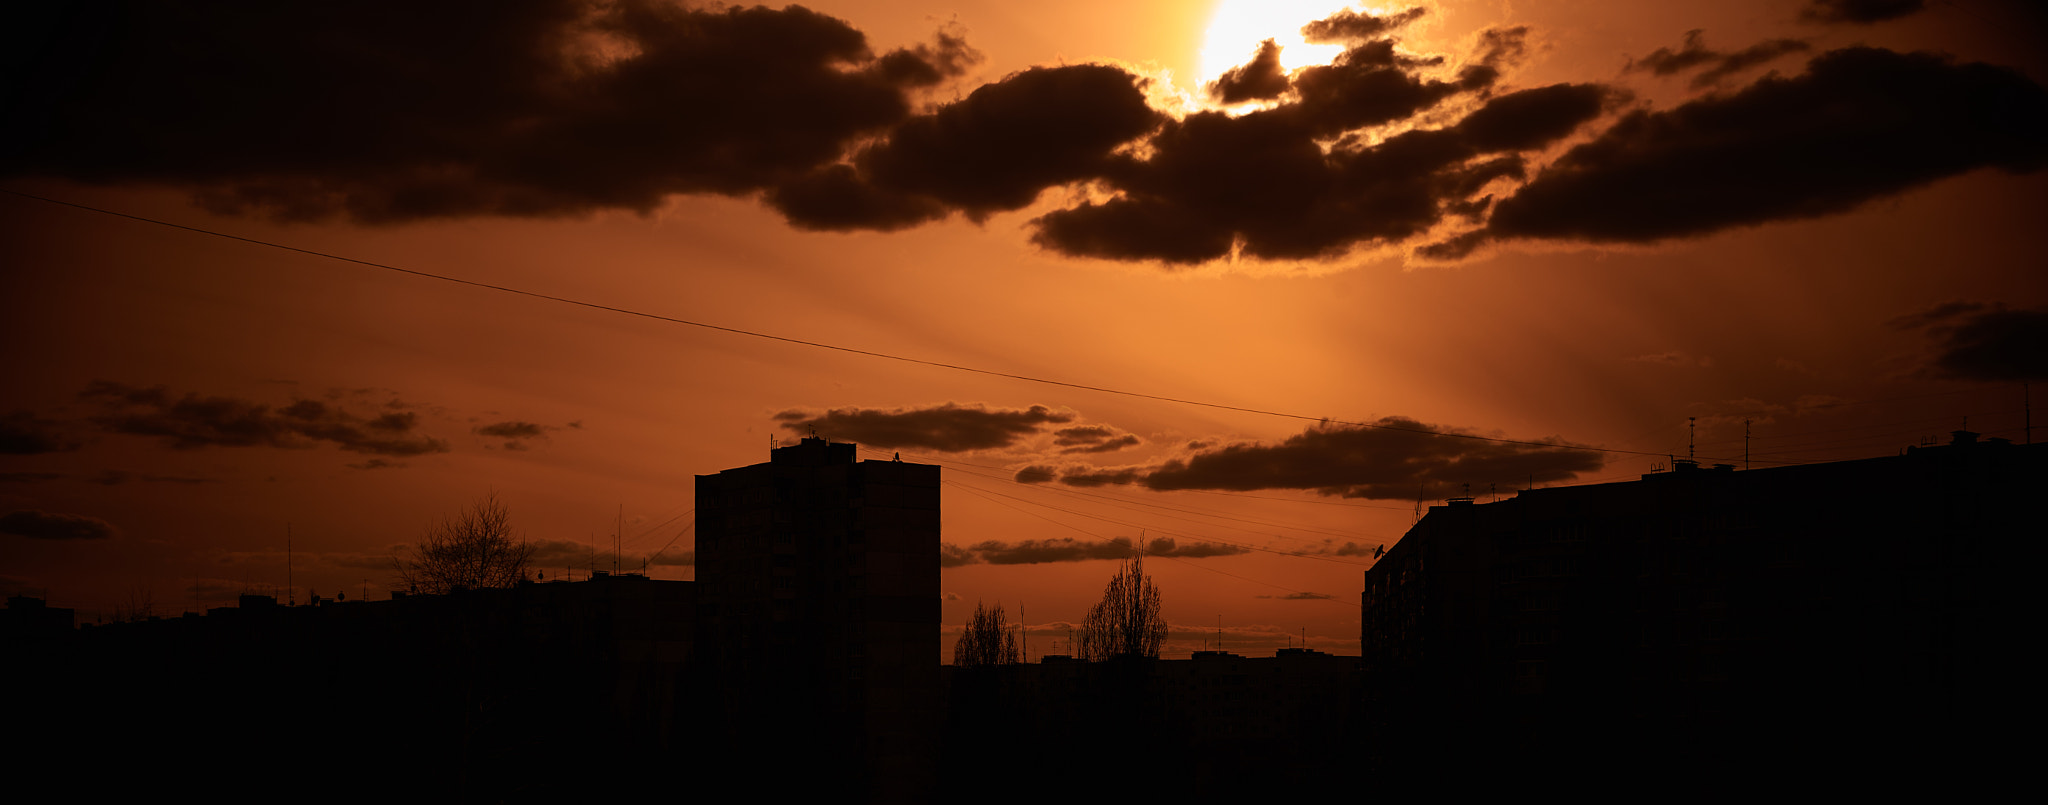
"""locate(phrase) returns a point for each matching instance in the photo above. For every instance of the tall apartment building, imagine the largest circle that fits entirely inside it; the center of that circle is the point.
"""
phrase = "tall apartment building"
(819, 585)
(1825, 616)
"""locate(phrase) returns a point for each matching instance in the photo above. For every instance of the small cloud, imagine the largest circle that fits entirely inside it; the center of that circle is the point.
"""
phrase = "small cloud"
(117, 477)
(1300, 597)
(1088, 477)
(1858, 12)
(1665, 61)
(1092, 439)
(1166, 546)
(27, 477)
(48, 525)
(1045, 551)
(513, 429)
(1036, 474)
(25, 434)
(948, 428)
(950, 597)
(1355, 549)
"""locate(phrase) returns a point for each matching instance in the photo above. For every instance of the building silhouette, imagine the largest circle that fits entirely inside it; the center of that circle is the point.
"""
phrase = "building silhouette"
(820, 591)
(803, 657)
(1805, 619)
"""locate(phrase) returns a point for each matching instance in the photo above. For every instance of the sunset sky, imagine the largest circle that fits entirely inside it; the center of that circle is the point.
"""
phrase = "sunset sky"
(1257, 278)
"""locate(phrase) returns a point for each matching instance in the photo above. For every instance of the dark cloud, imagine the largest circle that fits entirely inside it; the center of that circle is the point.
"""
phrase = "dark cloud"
(1043, 551)
(1091, 477)
(1860, 124)
(949, 428)
(117, 477)
(563, 553)
(1092, 439)
(1665, 61)
(513, 429)
(46, 525)
(1036, 474)
(1862, 12)
(993, 151)
(1974, 341)
(38, 477)
(1299, 597)
(951, 555)
(1261, 79)
(390, 111)
(517, 434)
(1388, 461)
(1355, 549)
(192, 421)
(1262, 185)
(1938, 314)
(1353, 26)
(1167, 546)
(24, 434)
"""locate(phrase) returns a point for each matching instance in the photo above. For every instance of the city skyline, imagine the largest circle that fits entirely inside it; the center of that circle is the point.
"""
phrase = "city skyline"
(181, 402)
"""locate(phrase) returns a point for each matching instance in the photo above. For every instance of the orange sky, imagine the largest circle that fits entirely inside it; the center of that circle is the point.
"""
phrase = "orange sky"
(1605, 325)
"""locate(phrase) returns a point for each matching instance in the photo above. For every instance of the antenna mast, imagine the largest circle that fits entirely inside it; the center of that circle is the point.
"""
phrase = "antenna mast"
(1690, 425)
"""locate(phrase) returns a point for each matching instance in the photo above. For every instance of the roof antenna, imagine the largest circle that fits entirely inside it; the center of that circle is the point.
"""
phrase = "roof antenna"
(1690, 424)
(1745, 444)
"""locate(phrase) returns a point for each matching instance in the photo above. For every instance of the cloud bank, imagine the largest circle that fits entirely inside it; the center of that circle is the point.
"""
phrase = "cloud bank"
(194, 421)
(53, 526)
(1060, 549)
(568, 107)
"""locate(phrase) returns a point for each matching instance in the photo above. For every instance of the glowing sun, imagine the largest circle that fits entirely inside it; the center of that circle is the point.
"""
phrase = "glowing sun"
(1240, 25)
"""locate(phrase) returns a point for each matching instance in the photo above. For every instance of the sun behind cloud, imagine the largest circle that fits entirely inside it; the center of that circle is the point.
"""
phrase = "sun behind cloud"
(1238, 27)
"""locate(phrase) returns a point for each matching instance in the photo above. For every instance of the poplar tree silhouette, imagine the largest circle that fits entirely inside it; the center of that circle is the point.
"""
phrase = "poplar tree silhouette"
(987, 640)
(1128, 622)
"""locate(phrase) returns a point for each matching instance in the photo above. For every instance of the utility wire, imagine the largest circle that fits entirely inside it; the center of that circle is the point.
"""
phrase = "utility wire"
(817, 344)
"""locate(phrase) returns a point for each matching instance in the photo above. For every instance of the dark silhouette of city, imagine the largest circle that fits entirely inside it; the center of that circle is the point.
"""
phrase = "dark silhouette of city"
(1848, 623)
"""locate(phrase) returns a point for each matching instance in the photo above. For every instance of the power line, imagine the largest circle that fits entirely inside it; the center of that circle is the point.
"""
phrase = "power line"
(816, 344)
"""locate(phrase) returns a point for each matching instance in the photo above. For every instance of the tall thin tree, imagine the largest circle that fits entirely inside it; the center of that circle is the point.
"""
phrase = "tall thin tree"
(987, 640)
(1129, 621)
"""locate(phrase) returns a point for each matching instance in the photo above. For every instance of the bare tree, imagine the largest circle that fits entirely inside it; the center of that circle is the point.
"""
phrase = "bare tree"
(1128, 622)
(987, 640)
(471, 550)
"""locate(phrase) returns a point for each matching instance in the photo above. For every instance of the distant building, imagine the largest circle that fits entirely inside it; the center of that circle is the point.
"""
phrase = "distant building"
(821, 604)
(30, 619)
(1815, 616)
